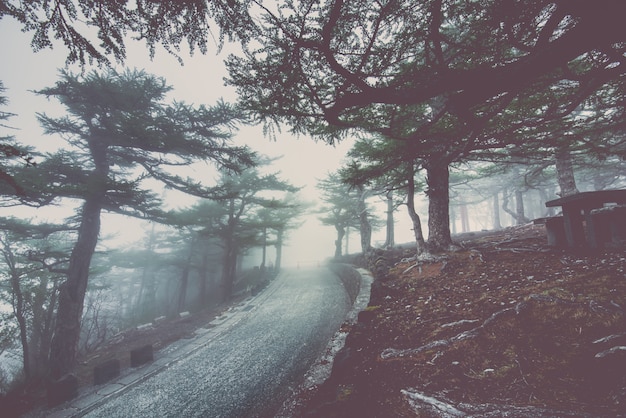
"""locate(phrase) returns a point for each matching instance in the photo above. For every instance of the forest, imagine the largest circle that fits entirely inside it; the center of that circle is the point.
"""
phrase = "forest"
(465, 114)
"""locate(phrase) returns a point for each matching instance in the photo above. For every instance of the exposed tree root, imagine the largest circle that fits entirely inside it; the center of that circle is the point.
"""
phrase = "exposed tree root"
(391, 353)
(421, 403)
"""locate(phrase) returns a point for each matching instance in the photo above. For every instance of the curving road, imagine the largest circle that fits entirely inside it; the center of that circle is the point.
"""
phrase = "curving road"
(249, 369)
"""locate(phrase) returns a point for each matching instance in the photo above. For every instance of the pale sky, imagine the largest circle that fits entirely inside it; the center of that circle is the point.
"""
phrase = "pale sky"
(199, 81)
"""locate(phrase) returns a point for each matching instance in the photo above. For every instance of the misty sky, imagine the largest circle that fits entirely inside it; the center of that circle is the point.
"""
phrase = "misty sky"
(199, 81)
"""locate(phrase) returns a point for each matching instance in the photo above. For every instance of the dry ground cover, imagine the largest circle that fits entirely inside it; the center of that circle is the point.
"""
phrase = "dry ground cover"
(503, 327)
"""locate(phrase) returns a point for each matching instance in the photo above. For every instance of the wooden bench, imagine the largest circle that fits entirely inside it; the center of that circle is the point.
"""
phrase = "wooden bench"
(585, 223)
(608, 227)
(555, 229)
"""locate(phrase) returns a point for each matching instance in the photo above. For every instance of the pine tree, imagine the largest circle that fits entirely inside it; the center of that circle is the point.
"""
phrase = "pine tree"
(120, 132)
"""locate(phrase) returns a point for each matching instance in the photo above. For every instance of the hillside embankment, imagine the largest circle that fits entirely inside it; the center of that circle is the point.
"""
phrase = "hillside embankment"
(505, 326)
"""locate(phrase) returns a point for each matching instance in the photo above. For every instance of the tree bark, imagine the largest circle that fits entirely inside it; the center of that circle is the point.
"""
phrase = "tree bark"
(543, 198)
(520, 213)
(565, 172)
(464, 218)
(497, 225)
(279, 249)
(18, 310)
(390, 236)
(341, 232)
(365, 228)
(264, 250)
(230, 252)
(453, 230)
(229, 269)
(203, 274)
(64, 345)
(142, 309)
(47, 331)
(184, 279)
(17, 304)
(438, 180)
(40, 333)
(415, 219)
(72, 292)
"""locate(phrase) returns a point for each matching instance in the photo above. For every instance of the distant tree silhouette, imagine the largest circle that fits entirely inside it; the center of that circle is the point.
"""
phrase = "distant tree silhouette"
(240, 195)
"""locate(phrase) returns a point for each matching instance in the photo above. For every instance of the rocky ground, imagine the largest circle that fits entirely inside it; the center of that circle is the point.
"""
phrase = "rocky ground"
(505, 326)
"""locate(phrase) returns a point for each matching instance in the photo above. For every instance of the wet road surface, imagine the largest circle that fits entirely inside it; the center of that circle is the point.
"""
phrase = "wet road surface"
(248, 370)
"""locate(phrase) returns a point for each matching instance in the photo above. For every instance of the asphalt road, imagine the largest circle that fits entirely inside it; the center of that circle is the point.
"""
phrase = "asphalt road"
(250, 369)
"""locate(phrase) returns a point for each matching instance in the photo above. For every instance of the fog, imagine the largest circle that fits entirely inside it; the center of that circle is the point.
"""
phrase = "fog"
(300, 160)
(159, 280)
(198, 81)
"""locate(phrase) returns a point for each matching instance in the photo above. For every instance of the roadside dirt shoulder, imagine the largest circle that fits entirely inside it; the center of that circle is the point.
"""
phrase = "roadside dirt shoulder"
(505, 326)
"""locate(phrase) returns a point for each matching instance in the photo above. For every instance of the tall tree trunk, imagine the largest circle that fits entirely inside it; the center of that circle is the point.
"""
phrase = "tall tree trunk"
(279, 250)
(149, 305)
(438, 180)
(231, 250)
(505, 204)
(497, 225)
(47, 330)
(229, 264)
(453, 220)
(18, 310)
(390, 236)
(37, 364)
(72, 292)
(184, 278)
(229, 269)
(520, 214)
(415, 219)
(17, 303)
(146, 284)
(204, 276)
(464, 218)
(140, 298)
(543, 198)
(64, 344)
(264, 251)
(341, 232)
(565, 172)
(238, 263)
(365, 228)
(365, 232)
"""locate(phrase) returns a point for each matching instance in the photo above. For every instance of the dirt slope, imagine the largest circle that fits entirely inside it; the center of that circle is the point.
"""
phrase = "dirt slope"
(504, 327)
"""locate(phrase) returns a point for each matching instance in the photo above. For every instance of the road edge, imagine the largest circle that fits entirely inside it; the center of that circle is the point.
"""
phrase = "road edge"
(320, 371)
(164, 358)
